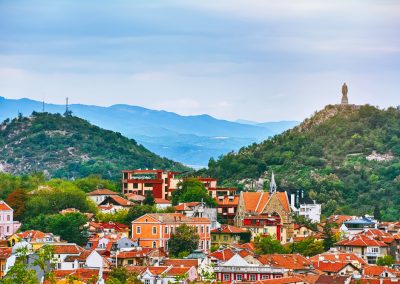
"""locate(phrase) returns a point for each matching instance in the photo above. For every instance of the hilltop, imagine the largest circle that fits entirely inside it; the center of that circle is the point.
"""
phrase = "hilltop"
(70, 147)
(345, 157)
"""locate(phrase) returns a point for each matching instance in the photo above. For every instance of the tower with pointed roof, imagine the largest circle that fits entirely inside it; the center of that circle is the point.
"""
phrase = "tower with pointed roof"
(272, 184)
(345, 100)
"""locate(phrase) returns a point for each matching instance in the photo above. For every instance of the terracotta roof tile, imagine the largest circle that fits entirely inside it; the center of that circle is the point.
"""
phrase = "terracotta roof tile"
(102, 192)
(4, 206)
(288, 261)
(361, 241)
(181, 262)
(67, 249)
(375, 270)
(228, 229)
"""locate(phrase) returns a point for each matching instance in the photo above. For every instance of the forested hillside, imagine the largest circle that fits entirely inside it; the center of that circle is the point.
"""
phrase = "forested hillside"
(327, 157)
(70, 147)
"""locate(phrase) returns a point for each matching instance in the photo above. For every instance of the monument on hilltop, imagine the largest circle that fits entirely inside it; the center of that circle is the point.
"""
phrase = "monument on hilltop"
(345, 100)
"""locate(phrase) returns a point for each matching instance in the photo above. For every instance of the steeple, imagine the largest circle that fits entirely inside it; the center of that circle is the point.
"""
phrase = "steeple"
(272, 184)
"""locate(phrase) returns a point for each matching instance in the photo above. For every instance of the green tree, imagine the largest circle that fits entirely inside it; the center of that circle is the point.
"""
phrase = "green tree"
(386, 260)
(307, 247)
(268, 245)
(328, 236)
(139, 210)
(44, 257)
(149, 198)
(20, 272)
(190, 190)
(185, 239)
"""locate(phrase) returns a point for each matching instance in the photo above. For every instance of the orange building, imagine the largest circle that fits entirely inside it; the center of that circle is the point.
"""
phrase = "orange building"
(154, 230)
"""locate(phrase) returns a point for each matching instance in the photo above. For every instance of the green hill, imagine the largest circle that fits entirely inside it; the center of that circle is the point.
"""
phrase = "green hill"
(70, 147)
(326, 156)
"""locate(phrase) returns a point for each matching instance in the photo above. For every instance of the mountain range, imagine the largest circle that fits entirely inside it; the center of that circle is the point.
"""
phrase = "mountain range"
(192, 140)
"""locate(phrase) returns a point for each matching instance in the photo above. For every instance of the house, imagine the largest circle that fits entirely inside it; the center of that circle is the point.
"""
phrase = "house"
(154, 230)
(168, 274)
(137, 257)
(35, 238)
(5, 253)
(266, 213)
(238, 269)
(366, 247)
(162, 203)
(337, 268)
(294, 263)
(62, 251)
(339, 219)
(344, 257)
(304, 207)
(228, 234)
(356, 226)
(222, 191)
(302, 231)
(114, 203)
(160, 183)
(227, 207)
(200, 210)
(101, 229)
(284, 280)
(380, 272)
(7, 224)
(99, 195)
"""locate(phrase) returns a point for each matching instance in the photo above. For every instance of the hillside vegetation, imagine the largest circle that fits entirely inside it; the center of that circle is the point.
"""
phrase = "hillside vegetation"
(70, 147)
(327, 157)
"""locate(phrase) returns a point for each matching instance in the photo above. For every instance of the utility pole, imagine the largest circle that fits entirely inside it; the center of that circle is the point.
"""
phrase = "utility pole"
(43, 105)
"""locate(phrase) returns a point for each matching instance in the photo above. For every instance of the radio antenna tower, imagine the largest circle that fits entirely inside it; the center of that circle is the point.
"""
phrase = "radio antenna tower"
(67, 111)
(43, 105)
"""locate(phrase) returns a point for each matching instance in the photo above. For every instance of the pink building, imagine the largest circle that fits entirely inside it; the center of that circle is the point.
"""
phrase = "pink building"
(7, 225)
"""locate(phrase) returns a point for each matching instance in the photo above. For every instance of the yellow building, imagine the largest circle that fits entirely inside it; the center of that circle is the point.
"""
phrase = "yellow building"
(229, 234)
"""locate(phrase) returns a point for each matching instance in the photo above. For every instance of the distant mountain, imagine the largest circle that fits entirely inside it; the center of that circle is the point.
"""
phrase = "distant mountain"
(188, 139)
(71, 147)
(345, 157)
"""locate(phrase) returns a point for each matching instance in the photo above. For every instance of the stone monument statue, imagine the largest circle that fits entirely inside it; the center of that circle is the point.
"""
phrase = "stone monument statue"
(345, 100)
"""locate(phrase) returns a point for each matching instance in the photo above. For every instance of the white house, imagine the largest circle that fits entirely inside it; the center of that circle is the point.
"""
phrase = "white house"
(99, 195)
(7, 225)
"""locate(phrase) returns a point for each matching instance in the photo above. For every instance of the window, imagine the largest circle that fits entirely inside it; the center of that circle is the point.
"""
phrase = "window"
(154, 244)
(239, 277)
(130, 261)
(8, 229)
(172, 230)
(225, 238)
(265, 277)
(8, 217)
(148, 185)
(138, 230)
(154, 230)
(208, 229)
(202, 229)
(135, 185)
(278, 276)
(166, 245)
(207, 244)
(375, 250)
(125, 185)
(252, 277)
(166, 230)
(214, 238)
(226, 277)
(147, 281)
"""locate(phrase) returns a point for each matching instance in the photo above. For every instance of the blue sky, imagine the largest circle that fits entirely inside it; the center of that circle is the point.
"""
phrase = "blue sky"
(255, 60)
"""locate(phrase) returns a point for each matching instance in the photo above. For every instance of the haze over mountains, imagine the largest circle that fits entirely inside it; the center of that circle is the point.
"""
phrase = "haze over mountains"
(191, 140)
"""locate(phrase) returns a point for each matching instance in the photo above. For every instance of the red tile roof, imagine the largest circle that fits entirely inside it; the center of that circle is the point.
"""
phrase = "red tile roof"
(186, 206)
(5, 253)
(181, 262)
(4, 206)
(339, 256)
(227, 200)
(226, 229)
(134, 197)
(102, 192)
(117, 200)
(178, 271)
(134, 253)
(288, 261)
(31, 234)
(222, 255)
(257, 201)
(375, 270)
(328, 266)
(67, 249)
(161, 201)
(339, 219)
(283, 280)
(361, 241)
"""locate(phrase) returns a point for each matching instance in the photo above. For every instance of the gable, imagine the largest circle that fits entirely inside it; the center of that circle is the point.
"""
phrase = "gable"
(142, 219)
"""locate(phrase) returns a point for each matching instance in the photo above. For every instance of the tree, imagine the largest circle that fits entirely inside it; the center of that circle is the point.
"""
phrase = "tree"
(149, 198)
(44, 257)
(189, 190)
(139, 210)
(307, 247)
(185, 239)
(386, 260)
(17, 200)
(121, 275)
(268, 245)
(20, 272)
(377, 213)
(328, 236)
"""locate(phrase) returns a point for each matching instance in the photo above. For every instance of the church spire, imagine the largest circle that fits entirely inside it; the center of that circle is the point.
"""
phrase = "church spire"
(272, 184)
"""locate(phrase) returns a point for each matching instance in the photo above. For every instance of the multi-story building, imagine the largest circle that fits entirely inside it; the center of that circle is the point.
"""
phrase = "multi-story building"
(238, 269)
(228, 234)
(227, 207)
(222, 191)
(159, 182)
(266, 213)
(7, 225)
(154, 230)
(366, 247)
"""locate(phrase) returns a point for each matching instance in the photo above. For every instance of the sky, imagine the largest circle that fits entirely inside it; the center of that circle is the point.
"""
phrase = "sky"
(257, 60)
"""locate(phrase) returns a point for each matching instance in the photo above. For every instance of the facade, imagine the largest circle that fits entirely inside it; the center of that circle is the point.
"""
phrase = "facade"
(7, 225)
(227, 207)
(154, 230)
(200, 210)
(266, 213)
(227, 234)
(238, 269)
(5, 253)
(366, 247)
(159, 182)
(358, 225)
(114, 203)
